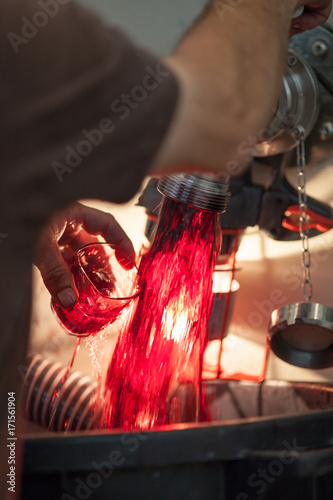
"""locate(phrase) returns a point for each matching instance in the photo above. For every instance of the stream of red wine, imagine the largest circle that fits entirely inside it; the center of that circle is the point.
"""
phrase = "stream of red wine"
(154, 375)
(57, 392)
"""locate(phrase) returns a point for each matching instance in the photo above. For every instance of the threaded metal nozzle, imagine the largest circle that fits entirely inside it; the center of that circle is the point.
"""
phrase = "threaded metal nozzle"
(202, 191)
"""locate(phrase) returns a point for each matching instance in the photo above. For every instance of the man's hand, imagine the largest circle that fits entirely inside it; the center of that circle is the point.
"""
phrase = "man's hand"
(316, 12)
(67, 231)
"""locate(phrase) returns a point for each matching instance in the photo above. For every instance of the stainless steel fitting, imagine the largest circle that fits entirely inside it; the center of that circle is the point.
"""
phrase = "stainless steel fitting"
(298, 106)
(203, 191)
(302, 334)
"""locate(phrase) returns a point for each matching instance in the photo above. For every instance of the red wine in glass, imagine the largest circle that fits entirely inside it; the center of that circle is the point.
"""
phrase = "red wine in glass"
(105, 289)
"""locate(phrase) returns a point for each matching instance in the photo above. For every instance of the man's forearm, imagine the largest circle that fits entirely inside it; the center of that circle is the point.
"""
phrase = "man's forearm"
(231, 65)
(240, 48)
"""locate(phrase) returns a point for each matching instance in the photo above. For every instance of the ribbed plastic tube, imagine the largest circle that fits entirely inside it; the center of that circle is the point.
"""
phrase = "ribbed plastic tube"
(54, 405)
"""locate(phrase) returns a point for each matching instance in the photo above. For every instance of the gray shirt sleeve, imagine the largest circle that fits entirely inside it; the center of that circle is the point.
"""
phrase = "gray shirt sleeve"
(83, 110)
(82, 114)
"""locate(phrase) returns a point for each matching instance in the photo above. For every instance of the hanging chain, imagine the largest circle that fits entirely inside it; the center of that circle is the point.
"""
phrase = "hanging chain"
(299, 135)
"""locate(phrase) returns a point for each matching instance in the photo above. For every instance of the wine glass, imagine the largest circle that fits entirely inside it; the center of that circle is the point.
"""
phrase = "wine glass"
(105, 288)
